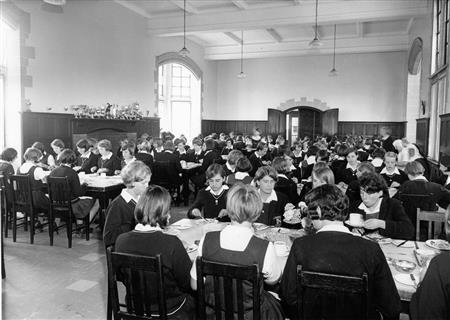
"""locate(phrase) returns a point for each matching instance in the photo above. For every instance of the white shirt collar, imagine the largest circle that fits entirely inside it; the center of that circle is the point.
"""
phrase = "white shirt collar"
(272, 197)
(182, 152)
(396, 171)
(311, 160)
(374, 209)
(348, 166)
(420, 177)
(107, 157)
(229, 167)
(282, 175)
(335, 227)
(86, 154)
(224, 187)
(169, 151)
(127, 196)
(146, 228)
(241, 175)
(377, 162)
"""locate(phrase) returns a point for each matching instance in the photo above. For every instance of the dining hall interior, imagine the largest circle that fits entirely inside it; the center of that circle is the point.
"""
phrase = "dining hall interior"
(295, 153)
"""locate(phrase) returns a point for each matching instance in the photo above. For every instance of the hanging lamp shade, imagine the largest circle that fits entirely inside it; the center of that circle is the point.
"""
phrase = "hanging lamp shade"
(184, 51)
(242, 75)
(315, 43)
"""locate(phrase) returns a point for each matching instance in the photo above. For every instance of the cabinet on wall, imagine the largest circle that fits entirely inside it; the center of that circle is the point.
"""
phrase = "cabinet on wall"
(422, 130)
(360, 128)
(44, 127)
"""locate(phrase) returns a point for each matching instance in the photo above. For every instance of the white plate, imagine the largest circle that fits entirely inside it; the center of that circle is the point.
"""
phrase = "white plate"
(180, 227)
(259, 226)
(438, 244)
(292, 221)
(405, 278)
(280, 230)
(354, 225)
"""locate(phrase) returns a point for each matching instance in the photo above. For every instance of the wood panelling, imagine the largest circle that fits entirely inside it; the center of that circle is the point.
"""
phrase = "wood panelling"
(238, 126)
(44, 127)
(444, 145)
(422, 130)
(364, 128)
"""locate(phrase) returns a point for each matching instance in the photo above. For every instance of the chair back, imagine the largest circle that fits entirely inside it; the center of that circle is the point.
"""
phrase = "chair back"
(4, 186)
(59, 193)
(165, 174)
(22, 196)
(437, 220)
(135, 272)
(228, 282)
(412, 202)
(325, 296)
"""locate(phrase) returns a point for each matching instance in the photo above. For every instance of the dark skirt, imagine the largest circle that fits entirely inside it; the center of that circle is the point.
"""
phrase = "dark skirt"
(81, 207)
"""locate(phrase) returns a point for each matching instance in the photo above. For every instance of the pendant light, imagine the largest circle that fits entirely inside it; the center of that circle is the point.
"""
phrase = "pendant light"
(242, 75)
(184, 51)
(333, 72)
(315, 42)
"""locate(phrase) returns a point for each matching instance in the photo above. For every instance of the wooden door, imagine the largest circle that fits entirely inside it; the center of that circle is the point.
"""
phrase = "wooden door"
(276, 122)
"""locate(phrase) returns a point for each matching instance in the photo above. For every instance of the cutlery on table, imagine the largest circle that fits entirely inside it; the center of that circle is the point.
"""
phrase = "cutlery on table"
(419, 263)
(402, 243)
(416, 245)
(414, 280)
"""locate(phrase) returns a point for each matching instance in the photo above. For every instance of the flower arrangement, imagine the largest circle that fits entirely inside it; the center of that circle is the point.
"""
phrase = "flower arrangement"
(108, 111)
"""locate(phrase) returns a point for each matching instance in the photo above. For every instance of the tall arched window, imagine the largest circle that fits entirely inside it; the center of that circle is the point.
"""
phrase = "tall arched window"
(179, 98)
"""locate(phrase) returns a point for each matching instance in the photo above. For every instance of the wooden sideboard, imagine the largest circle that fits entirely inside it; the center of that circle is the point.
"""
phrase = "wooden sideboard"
(44, 127)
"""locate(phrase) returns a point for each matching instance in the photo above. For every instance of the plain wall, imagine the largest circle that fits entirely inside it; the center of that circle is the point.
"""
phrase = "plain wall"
(369, 87)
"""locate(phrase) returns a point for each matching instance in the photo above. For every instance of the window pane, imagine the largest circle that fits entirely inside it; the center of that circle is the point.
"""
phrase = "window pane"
(176, 71)
(176, 91)
(176, 82)
(186, 82)
(185, 92)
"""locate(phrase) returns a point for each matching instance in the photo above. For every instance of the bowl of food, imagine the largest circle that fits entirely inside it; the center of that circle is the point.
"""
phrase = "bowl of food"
(404, 266)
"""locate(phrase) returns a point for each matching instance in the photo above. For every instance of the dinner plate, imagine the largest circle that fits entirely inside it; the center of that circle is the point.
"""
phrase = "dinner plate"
(280, 230)
(438, 244)
(405, 278)
(404, 265)
(259, 226)
(180, 226)
(354, 225)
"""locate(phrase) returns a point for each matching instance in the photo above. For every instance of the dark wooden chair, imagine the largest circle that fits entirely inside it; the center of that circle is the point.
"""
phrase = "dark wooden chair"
(324, 296)
(22, 201)
(165, 174)
(228, 297)
(5, 204)
(61, 202)
(134, 272)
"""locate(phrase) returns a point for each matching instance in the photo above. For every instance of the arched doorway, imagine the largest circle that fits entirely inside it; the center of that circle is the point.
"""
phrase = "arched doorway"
(179, 95)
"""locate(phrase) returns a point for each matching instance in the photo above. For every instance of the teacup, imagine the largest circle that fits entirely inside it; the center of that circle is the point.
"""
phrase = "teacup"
(281, 248)
(103, 175)
(356, 219)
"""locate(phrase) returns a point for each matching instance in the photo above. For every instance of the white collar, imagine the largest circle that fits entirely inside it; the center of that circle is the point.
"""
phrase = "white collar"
(374, 209)
(311, 160)
(182, 152)
(282, 176)
(198, 153)
(127, 196)
(240, 175)
(143, 151)
(420, 177)
(335, 227)
(348, 166)
(396, 171)
(86, 154)
(241, 229)
(377, 162)
(167, 150)
(147, 227)
(229, 167)
(272, 197)
(107, 157)
(224, 187)
(207, 151)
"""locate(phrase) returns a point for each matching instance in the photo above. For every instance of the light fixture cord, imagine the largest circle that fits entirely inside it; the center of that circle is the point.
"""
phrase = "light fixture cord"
(242, 50)
(317, 5)
(184, 25)
(334, 48)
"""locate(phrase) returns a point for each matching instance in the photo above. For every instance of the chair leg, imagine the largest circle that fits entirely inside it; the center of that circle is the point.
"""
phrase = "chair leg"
(51, 221)
(109, 306)
(86, 227)
(69, 230)
(31, 227)
(7, 220)
(14, 226)
(25, 217)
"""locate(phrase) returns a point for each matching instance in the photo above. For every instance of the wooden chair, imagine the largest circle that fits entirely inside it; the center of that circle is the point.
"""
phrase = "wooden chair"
(5, 204)
(411, 202)
(22, 201)
(437, 221)
(330, 294)
(134, 272)
(165, 174)
(228, 298)
(61, 202)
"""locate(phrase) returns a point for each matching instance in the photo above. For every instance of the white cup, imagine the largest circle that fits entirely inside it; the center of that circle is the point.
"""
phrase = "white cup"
(356, 219)
(281, 248)
(103, 174)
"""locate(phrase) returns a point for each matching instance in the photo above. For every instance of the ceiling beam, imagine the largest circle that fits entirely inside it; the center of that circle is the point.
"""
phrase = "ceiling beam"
(135, 8)
(331, 12)
(275, 35)
(241, 4)
(296, 48)
(180, 4)
(234, 37)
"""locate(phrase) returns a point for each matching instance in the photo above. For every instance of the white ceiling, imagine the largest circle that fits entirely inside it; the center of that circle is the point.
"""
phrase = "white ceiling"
(283, 27)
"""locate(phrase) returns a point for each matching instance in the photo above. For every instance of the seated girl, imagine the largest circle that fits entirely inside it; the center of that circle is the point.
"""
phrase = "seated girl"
(211, 200)
(9, 155)
(57, 147)
(81, 205)
(181, 151)
(108, 162)
(228, 147)
(237, 244)
(242, 174)
(378, 159)
(144, 153)
(152, 215)
(46, 161)
(230, 165)
(273, 201)
(338, 165)
(349, 173)
(284, 184)
(381, 212)
(128, 153)
(37, 176)
(87, 159)
(392, 175)
(120, 213)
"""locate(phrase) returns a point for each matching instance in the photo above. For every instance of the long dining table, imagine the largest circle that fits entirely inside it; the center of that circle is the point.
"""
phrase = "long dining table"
(191, 231)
